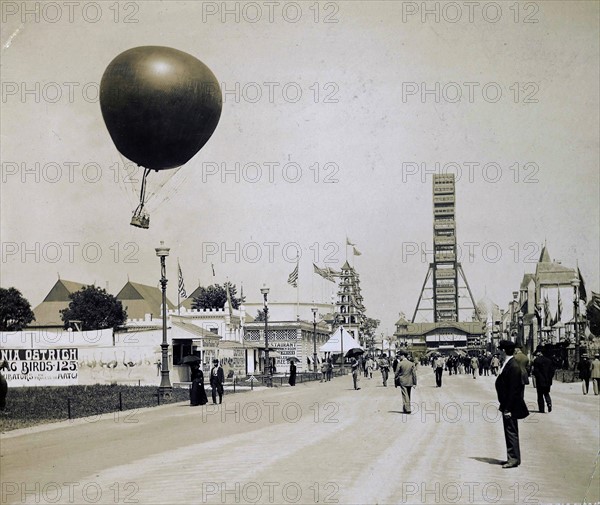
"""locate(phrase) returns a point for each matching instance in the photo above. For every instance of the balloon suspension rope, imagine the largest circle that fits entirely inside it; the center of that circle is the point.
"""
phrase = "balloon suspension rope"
(140, 217)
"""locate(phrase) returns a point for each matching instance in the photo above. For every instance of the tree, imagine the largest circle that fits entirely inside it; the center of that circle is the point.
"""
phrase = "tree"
(95, 308)
(368, 328)
(15, 310)
(215, 297)
(260, 316)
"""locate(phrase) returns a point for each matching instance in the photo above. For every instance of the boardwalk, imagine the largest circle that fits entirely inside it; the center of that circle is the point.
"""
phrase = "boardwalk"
(315, 443)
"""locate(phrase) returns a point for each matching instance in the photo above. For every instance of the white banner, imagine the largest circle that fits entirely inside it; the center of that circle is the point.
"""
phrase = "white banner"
(41, 367)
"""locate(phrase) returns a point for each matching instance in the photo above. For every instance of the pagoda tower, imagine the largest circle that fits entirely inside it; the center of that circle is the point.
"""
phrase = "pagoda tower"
(350, 308)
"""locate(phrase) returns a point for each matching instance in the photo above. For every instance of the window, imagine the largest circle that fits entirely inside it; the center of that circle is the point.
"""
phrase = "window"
(181, 348)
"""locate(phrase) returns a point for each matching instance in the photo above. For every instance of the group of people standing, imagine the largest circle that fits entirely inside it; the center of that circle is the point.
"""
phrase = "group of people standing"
(481, 364)
(589, 369)
(197, 391)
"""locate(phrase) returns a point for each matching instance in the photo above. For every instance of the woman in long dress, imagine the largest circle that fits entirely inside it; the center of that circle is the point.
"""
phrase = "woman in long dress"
(292, 380)
(197, 393)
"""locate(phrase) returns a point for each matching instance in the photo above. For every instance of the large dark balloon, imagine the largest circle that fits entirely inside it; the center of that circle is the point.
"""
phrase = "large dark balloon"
(160, 105)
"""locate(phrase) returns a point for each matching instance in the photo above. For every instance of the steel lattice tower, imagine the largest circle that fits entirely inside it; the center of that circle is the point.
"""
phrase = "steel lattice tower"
(445, 269)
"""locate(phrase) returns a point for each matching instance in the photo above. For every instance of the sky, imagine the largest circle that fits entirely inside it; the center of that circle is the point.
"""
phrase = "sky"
(335, 116)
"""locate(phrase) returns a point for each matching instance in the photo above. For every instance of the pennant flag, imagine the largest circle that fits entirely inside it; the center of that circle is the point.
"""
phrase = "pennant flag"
(213, 268)
(348, 242)
(332, 272)
(180, 286)
(323, 272)
(229, 304)
(356, 251)
(582, 291)
(293, 277)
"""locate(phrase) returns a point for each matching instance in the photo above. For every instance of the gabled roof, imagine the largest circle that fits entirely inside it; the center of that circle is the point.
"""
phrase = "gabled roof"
(188, 302)
(140, 299)
(527, 278)
(47, 313)
(545, 255)
(194, 329)
(61, 290)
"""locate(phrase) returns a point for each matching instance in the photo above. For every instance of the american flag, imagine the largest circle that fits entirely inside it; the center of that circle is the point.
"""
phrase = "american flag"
(180, 285)
(293, 277)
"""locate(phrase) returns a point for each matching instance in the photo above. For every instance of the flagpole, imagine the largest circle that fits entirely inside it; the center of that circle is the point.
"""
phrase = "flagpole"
(178, 288)
(298, 290)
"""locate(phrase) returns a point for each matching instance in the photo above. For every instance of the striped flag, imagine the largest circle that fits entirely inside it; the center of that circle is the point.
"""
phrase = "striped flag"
(547, 316)
(180, 285)
(293, 277)
(213, 268)
(560, 308)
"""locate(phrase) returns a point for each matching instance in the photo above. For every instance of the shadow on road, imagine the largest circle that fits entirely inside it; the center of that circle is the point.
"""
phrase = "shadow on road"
(491, 461)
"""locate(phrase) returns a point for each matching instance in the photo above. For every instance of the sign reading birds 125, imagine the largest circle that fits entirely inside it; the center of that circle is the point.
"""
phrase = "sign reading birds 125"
(41, 367)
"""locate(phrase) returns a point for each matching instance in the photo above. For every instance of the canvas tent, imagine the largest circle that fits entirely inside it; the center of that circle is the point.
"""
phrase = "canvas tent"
(334, 344)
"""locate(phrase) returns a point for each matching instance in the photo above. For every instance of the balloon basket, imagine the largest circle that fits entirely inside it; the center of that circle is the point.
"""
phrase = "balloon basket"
(140, 221)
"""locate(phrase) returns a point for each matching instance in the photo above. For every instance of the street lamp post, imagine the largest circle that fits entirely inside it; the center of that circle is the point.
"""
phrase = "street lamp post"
(575, 284)
(265, 291)
(165, 387)
(314, 311)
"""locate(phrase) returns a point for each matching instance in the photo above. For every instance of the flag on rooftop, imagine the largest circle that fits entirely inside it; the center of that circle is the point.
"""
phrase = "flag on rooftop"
(293, 277)
(180, 285)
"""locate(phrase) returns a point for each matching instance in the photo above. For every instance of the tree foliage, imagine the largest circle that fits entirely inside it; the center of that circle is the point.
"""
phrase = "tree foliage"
(95, 308)
(215, 297)
(369, 327)
(367, 330)
(260, 316)
(15, 310)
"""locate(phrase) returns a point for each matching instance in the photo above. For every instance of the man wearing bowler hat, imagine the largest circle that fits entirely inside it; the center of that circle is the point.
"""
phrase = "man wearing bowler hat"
(217, 378)
(510, 389)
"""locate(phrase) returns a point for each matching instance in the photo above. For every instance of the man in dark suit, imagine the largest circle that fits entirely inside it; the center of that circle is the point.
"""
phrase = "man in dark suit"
(510, 391)
(406, 376)
(543, 371)
(217, 378)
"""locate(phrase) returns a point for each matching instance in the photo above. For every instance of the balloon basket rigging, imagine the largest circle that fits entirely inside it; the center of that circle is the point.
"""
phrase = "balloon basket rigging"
(140, 218)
